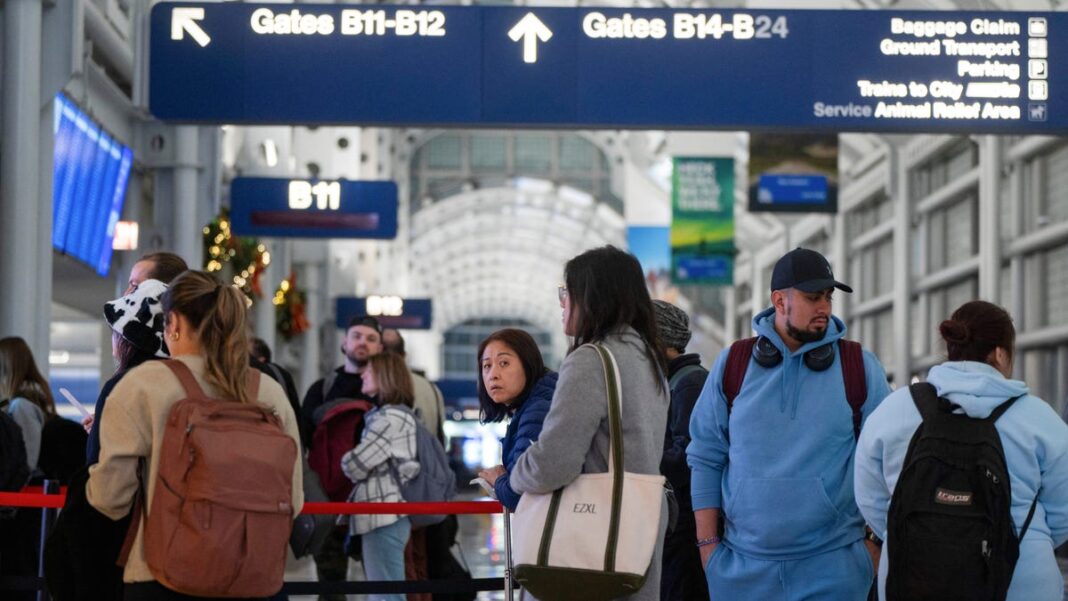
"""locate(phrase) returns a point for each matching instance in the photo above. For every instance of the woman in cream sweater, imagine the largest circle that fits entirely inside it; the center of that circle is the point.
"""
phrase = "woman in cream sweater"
(205, 330)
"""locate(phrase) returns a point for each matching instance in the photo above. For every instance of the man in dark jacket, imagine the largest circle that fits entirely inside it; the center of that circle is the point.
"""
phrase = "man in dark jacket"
(683, 576)
(363, 339)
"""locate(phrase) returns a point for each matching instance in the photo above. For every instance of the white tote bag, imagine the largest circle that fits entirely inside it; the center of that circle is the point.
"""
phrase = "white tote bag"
(594, 538)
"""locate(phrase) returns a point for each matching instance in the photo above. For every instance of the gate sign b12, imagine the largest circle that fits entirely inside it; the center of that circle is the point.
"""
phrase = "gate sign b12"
(824, 70)
(297, 208)
(390, 311)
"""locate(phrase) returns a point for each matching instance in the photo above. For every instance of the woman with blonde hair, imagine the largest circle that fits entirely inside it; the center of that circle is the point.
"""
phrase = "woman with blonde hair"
(206, 333)
(378, 466)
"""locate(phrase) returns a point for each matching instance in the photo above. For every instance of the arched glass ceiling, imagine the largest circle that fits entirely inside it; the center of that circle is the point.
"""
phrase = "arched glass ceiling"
(501, 251)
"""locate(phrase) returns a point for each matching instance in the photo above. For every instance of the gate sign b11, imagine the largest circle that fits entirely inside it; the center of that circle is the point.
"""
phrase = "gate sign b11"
(297, 208)
(599, 67)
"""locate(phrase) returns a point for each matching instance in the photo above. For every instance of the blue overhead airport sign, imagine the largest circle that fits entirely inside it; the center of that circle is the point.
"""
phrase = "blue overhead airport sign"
(882, 71)
(298, 208)
(390, 311)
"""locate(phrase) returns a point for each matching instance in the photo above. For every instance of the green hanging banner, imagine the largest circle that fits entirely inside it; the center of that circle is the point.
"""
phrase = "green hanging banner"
(702, 221)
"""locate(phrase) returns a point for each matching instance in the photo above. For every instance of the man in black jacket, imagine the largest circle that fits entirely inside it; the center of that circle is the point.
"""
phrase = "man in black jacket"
(683, 576)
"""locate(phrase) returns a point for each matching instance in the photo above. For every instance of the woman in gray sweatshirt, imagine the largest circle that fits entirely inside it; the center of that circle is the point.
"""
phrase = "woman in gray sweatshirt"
(604, 301)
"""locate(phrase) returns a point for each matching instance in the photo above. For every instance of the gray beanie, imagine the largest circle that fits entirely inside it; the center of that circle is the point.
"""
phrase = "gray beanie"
(672, 325)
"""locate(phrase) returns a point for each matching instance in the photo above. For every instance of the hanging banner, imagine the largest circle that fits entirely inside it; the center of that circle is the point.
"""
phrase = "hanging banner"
(702, 221)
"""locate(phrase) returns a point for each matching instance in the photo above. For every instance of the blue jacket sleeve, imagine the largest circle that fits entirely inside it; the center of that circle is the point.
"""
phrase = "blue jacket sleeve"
(673, 463)
(710, 440)
(527, 431)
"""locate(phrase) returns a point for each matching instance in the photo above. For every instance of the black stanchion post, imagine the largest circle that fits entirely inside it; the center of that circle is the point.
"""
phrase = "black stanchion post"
(51, 487)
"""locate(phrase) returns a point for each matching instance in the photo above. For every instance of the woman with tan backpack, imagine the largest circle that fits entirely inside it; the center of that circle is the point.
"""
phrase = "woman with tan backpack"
(212, 448)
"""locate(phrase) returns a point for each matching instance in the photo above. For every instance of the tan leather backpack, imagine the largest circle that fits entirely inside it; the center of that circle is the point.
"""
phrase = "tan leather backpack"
(221, 511)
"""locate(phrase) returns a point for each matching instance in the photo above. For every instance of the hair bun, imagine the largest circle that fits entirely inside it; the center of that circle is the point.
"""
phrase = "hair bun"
(955, 332)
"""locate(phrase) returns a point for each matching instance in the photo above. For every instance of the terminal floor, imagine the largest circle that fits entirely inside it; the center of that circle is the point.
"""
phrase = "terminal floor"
(482, 541)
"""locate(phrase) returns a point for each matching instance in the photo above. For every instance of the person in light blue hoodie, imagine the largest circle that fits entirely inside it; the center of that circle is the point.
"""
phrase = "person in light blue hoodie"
(778, 466)
(980, 341)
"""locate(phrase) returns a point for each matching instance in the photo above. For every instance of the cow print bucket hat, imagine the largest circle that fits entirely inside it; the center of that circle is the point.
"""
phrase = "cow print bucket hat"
(138, 317)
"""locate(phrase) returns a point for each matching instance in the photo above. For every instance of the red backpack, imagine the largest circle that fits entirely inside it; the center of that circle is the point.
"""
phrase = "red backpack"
(222, 509)
(338, 425)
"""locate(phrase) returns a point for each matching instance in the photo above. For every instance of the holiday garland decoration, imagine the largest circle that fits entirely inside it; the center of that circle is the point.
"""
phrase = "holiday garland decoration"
(243, 259)
(290, 319)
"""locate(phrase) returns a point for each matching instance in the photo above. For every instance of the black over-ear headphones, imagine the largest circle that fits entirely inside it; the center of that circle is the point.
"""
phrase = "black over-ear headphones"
(766, 354)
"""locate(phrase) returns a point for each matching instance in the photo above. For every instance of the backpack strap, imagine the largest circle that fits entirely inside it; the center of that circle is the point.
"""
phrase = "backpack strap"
(682, 373)
(856, 383)
(186, 379)
(925, 397)
(1001, 409)
(328, 383)
(734, 372)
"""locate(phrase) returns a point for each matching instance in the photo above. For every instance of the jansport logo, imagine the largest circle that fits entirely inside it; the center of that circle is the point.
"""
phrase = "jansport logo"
(952, 497)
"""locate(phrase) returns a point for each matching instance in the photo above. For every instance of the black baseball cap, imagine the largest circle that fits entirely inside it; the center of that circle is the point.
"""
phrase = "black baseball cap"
(365, 320)
(806, 270)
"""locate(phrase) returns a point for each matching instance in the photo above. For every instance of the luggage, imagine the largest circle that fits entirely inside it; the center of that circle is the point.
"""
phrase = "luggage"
(950, 533)
(338, 425)
(221, 512)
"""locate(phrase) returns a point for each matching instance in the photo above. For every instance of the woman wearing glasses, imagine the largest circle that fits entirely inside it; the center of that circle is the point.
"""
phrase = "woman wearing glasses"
(604, 301)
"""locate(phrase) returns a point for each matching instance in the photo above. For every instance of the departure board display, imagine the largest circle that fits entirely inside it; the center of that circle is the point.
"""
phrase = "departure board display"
(89, 176)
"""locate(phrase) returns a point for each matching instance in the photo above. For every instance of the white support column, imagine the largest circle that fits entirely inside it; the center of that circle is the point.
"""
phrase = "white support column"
(730, 315)
(308, 278)
(19, 175)
(898, 191)
(187, 229)
(43, 311)
(264, 313)
(989, 215)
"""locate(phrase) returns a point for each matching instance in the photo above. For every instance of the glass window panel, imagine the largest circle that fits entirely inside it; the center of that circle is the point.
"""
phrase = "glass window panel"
(1056, 288)
(961, 231)
(1056, 201)
(489, 152)
(445, 152)
(577, 154)
(533, 153)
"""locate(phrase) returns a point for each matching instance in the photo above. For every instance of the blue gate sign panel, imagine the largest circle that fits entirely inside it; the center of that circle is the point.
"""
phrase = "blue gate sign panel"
(390, 311)
(296, 208)
(816, 70)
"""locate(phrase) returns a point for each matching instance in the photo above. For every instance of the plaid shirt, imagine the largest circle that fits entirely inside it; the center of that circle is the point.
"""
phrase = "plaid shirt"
(388, 435)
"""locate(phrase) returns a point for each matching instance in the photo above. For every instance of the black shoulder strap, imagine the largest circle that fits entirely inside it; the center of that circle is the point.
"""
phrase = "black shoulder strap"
(682, 373)
(925, 397)
(1002, 408)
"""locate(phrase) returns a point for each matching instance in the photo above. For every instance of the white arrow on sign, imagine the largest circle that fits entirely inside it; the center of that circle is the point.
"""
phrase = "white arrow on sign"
(184, 20)
(531, 29)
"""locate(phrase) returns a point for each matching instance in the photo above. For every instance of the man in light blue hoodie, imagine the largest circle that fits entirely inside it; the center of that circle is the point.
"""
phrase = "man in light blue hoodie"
(777, 465)
(979, 342)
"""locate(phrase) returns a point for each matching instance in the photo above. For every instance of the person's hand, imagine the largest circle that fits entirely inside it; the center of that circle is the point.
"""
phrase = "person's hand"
(875, 551)
(706, 552)
(490, 474)
(87, 423)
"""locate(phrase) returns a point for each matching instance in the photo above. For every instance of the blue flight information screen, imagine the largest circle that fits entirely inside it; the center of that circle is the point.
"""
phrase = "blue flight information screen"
(811, 70)
(89, 177)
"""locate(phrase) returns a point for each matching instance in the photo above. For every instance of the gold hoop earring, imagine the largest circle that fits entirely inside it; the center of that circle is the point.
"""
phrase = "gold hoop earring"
(174, 336)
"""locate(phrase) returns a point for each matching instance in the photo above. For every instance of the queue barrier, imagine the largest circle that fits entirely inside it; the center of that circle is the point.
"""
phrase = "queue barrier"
(37, 498)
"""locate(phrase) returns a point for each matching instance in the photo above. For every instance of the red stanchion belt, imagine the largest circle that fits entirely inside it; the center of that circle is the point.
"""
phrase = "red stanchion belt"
(34, 497)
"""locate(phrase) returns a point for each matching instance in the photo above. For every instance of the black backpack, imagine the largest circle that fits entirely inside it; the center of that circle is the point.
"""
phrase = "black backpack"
(14, 471)
(950, 533)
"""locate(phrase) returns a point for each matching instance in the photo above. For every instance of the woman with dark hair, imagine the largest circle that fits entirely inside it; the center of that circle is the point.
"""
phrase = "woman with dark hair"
(514, 383)
(604, 301)
(206, 329)
(136, 321)
(980, 344)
